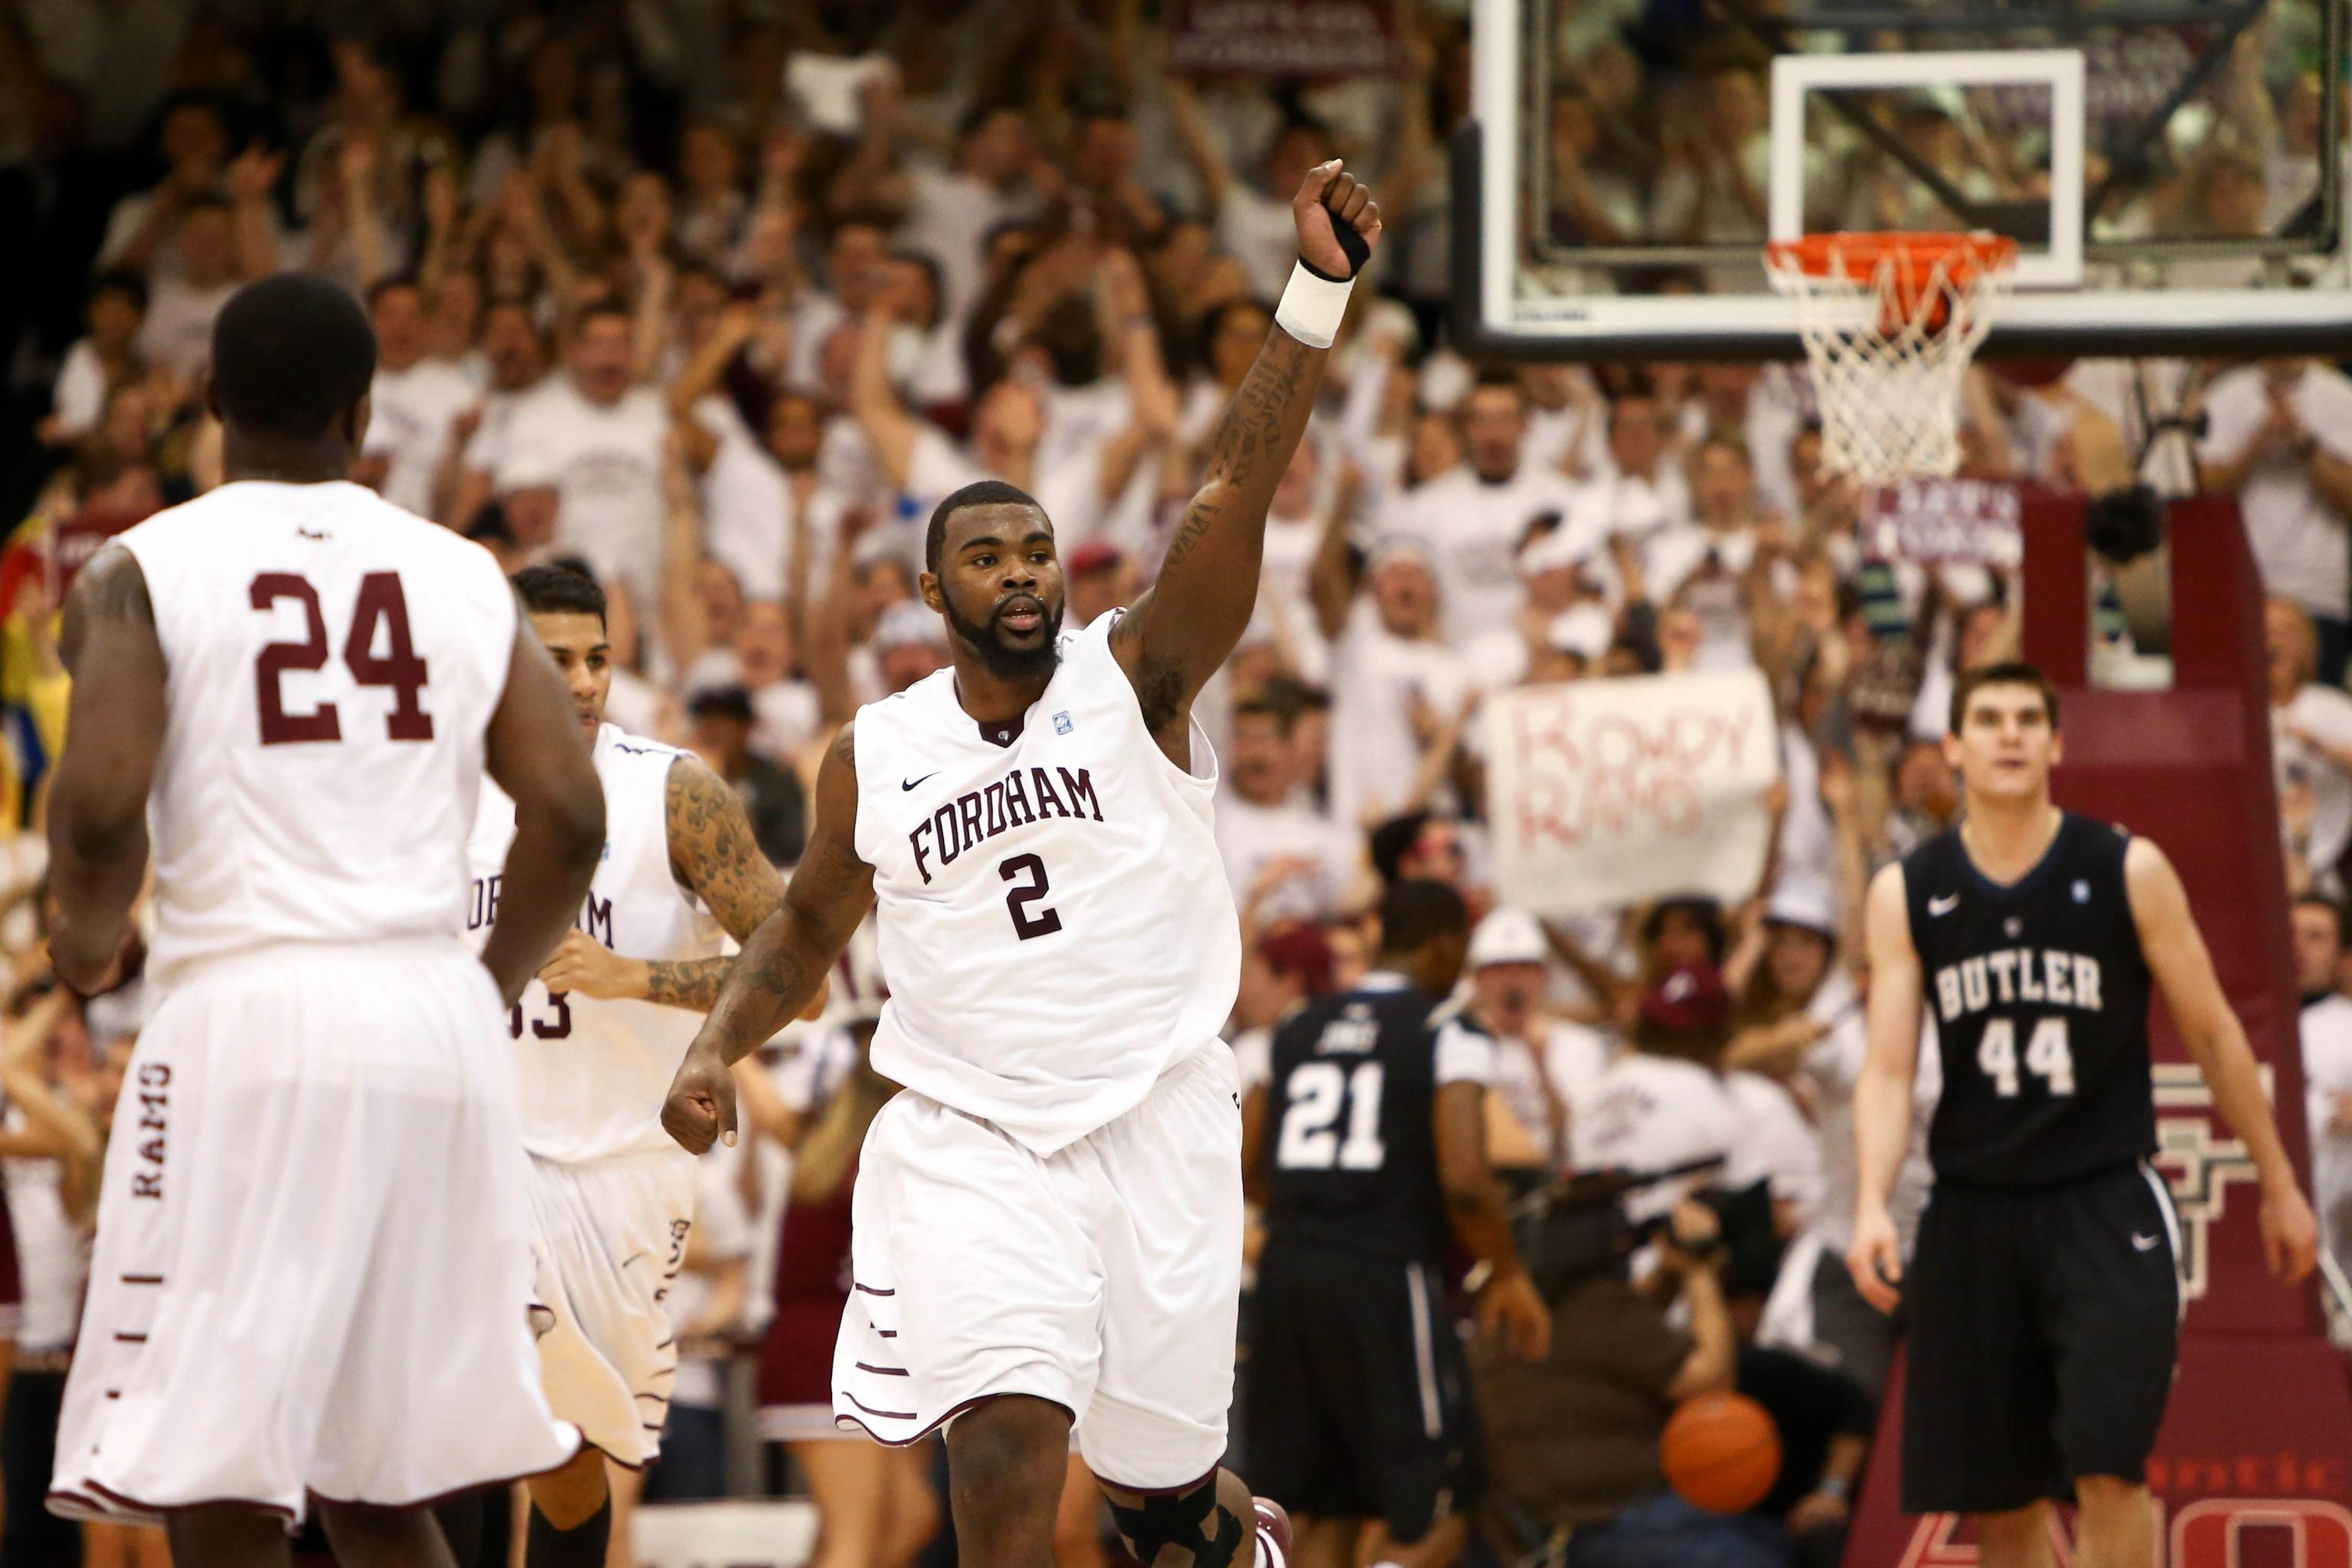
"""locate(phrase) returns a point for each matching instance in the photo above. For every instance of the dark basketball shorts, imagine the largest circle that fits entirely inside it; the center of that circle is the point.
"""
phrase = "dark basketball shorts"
(2044, 1323)
(1357, 1391)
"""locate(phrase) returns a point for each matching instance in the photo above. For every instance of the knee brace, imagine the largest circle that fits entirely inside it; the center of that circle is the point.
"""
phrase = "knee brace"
(1193, 1520)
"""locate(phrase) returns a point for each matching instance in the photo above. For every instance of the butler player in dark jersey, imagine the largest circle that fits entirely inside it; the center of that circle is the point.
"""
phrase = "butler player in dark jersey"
(1359, 1397)
(2043, 1295)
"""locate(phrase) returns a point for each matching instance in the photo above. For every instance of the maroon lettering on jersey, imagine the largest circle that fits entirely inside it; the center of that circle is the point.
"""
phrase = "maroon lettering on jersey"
(1022, 796)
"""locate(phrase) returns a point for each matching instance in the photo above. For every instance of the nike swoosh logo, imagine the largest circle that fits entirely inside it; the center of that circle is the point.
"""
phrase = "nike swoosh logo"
(909, 784)
(2143, 1243)
(1944, 905)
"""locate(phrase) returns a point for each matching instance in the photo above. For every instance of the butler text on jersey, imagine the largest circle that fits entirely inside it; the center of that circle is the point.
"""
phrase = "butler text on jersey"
(2044, 975)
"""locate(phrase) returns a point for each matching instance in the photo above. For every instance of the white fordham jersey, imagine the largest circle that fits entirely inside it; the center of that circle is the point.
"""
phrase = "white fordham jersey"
(593, 1072)
(1054, 915)
(331, 664)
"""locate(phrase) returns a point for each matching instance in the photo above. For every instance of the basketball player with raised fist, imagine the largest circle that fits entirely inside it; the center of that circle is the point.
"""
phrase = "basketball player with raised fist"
(2043, 1297)
(1047, 1223)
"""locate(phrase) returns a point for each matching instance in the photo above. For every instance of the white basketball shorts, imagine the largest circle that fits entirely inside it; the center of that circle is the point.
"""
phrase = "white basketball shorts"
(1104, 1278)
(312, 1270)
(611, 1238)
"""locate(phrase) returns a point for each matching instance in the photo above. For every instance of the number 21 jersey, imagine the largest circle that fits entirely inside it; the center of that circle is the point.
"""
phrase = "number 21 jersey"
(2039, 994)
(1052, 910)
(331, 664)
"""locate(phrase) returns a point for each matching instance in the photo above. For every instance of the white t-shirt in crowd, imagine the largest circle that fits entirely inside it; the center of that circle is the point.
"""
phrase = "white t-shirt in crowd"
(748, 510)
(2327, 1074)
(1258, 231)
(1830, 1071)
(2298, 540)
(1472, 529)
(177, 333)
(948, 220)
(487, 451)
(2327, 713)
(1374, 675)
(1776, 1141)
(607, 462)
(411, 412)
(1574, 1058)
(80, 396)
(1628, 503)
(1646, 1113)
(1251, 837)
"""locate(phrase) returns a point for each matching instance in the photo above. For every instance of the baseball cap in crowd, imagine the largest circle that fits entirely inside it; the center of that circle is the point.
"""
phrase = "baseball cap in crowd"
(1560, 550)
(1094, 555)
(524, 471)
(907, 624)
(1507, 936)
(1689, 1001)
(1806, 902)
(1299, 952)
(721, 702)
(1399, 547)
(1583, 629)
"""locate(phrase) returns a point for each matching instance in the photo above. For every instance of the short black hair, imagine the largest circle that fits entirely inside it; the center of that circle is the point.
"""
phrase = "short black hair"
(1495, 375)
(2007, 672)
(980, 493)
(1392, 839)
(722, 702)
(292, 353)
(1417, 912)
(596, 308)
(1706, 912)
(978, 112)
(2335, 909)
(382, 286)
(1265, 705)
(1213, 322)
(554, 590)
(120, 280)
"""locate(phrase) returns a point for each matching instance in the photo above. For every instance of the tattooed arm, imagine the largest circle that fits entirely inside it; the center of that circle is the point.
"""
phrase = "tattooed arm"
(785, 962)
(115, 730)
(1180, 631)
(712, 851)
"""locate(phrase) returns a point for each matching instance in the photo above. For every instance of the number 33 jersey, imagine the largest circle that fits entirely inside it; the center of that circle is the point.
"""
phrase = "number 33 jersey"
(331, 664)
(2039, 994)
(1052, 910)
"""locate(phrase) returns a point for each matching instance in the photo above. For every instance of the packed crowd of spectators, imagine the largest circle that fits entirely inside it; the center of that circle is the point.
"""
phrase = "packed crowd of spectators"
(719, 301)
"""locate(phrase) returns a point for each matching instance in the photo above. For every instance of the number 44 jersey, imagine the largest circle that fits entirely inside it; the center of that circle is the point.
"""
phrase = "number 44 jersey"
(2039, 994)
(331, 664)
(1052, 912)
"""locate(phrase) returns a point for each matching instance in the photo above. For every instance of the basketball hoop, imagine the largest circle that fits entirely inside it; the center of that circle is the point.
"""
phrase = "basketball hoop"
(1890, 323)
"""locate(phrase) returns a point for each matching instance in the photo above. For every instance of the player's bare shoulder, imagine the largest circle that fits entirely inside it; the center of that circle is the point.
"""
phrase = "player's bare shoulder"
(111, 588)
(1886, 919)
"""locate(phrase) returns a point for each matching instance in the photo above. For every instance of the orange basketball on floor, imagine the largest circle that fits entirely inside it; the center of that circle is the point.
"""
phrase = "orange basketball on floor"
(1721, 1452)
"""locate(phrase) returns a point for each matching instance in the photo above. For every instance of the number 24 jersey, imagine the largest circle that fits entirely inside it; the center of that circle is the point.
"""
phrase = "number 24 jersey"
(331, 664)
(1050, 908)
(2040, 994)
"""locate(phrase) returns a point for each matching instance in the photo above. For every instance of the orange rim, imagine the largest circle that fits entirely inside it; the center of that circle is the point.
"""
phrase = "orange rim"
(1858, 255)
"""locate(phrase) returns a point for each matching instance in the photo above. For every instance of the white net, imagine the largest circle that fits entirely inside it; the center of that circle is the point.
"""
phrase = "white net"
(1890, 329)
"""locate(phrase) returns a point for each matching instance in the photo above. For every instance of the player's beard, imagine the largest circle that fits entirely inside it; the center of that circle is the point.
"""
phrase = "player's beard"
(1004, 662)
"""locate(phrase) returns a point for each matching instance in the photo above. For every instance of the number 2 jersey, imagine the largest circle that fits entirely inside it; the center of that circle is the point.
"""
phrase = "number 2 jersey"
(2039, 994)
(331, 664)
(1050, 907)
(594, 1072)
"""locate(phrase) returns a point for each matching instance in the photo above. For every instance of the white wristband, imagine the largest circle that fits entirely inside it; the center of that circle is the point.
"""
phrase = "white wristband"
(1312, 307)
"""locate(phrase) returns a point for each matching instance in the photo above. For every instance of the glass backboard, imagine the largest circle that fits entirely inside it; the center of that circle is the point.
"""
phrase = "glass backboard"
(2173, 171)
